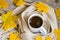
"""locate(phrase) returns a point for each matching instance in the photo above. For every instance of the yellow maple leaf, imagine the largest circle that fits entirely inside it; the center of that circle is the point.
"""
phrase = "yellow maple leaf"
(57, 11)
(19, 2)
(41, 7)
(38, 38)
(14, 36)
(48, 38)
(3, 4)
(9, 21)
(57, 33)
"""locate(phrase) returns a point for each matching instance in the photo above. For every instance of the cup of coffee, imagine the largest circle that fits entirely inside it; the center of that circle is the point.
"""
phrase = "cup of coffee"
(36, 23)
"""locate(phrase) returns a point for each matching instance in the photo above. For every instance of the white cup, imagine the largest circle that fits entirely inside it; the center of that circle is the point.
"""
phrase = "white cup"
(40, 29)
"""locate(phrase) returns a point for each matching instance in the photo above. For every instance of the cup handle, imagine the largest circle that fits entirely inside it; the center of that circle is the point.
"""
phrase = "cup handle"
(43, 30)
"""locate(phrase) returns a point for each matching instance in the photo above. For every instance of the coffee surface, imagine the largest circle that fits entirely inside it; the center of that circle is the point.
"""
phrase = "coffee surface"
(36, 22)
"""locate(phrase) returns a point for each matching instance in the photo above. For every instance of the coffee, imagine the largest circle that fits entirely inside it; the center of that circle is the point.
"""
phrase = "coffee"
(36, 22)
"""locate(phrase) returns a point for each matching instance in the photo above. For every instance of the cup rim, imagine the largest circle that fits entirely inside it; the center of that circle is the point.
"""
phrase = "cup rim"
(33, 16)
